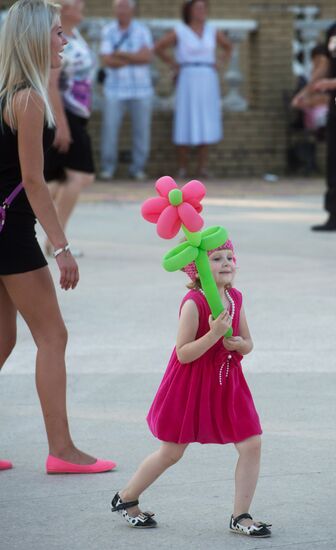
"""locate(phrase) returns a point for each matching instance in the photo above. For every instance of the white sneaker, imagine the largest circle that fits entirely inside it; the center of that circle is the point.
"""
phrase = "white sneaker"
(140, 176)
(105, 176)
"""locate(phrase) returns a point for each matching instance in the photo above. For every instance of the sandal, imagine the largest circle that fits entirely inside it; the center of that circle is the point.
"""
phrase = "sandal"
(143, 521)
(258, 529)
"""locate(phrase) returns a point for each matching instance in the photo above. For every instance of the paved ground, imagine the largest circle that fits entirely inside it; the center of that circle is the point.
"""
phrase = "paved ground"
(122, 323)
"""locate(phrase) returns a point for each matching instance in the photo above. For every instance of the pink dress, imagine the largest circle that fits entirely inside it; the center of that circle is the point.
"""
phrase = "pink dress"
(207, 400)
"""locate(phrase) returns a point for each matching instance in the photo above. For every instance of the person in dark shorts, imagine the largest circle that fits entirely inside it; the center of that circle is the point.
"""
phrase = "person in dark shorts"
(324, 80)
(69, 163)
(31, 41)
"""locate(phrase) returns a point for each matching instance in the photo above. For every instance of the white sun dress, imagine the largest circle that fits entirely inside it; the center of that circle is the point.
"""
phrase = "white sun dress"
(197, 117)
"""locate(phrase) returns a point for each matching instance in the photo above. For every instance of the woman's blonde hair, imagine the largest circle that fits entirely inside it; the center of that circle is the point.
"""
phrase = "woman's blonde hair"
(25, 55)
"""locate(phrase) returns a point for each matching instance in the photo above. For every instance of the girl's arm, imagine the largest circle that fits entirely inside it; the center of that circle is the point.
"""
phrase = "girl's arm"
(167, 41)
(63, 135)
(187, 348)
(242, 343)
(29, 110)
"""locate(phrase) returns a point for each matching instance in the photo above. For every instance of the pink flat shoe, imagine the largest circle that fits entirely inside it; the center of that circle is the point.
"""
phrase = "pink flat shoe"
(5, 465)
(58, 466)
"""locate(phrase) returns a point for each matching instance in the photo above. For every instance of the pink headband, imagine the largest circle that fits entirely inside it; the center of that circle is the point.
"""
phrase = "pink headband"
(191, 270)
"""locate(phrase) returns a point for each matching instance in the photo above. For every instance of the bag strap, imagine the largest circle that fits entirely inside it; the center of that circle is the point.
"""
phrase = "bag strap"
(8, 201)
(120, 42)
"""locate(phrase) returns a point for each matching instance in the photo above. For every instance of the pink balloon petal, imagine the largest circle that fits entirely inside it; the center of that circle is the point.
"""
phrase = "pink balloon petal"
(193, 190)
(169, 223)
(164, 185)
(198, 207)
(151, 209)
(189, 217)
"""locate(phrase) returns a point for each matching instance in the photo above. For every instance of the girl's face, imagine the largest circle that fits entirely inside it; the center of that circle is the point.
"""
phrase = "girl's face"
(223, 267)
(199, 12)
(57, 44)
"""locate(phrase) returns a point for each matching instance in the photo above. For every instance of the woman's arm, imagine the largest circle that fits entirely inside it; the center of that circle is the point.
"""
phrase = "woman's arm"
(29, 110)
(224, 43)
(169, 40)
(324, 85)
(321, 71)
(62, 139)
(242, 343)
(187, 348)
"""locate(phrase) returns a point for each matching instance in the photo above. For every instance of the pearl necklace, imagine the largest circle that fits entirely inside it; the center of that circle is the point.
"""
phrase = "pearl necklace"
(229, 357)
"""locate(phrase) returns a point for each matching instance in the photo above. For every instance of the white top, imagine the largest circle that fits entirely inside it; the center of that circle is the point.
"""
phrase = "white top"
(192, 48)
(131, 81)
(77, 74)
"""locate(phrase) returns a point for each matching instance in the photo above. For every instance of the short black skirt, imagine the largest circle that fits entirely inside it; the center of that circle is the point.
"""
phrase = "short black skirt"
(19, 249)
(79, 157)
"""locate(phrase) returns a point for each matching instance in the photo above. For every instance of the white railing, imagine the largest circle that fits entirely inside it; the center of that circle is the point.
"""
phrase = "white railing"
(310, 31)
(307, 33)
(237, 31)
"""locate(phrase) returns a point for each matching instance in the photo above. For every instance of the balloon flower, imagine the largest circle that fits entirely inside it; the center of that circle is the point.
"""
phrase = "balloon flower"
(176, 209)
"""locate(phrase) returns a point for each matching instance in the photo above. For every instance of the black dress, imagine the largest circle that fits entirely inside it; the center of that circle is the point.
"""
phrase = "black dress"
(19, 248)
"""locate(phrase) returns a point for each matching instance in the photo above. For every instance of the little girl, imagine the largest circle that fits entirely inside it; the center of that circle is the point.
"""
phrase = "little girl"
(204, 397)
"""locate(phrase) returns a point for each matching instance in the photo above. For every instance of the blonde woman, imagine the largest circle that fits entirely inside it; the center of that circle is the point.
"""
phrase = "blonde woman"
(69, 163)
(31, 41)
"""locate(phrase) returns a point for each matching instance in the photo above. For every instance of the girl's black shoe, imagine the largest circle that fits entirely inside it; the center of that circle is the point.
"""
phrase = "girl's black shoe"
(259, 529)
(143, 521)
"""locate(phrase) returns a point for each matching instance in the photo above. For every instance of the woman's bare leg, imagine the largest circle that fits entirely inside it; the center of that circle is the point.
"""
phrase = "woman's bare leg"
(182, 159)
(149, 470)
(246, 476)
(7, 333)
(7, 325)
(202, 160)
(68, 194)
(40, 310)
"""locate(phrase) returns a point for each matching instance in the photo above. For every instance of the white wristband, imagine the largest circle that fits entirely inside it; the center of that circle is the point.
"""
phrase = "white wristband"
(60, 250)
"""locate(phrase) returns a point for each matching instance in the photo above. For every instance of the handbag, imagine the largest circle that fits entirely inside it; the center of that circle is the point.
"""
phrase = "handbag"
(6, 204)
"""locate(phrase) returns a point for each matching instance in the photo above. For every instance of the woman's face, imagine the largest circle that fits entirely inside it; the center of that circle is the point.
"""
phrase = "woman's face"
(57, 43)
(199, 11)
(73, 13)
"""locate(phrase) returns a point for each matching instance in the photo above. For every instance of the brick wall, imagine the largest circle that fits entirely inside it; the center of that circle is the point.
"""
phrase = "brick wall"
(255, 141)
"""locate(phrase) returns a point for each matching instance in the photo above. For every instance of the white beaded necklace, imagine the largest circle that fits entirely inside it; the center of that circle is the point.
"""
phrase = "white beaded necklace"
(229, 357)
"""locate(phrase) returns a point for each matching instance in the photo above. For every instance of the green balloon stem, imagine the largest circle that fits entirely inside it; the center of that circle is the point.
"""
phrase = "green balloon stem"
(209, 287)
(208, 283)
(193, 238)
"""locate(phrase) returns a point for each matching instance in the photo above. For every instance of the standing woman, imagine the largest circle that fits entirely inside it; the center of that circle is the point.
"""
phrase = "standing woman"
(197, 120)
(31, 40)
(69, 163)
